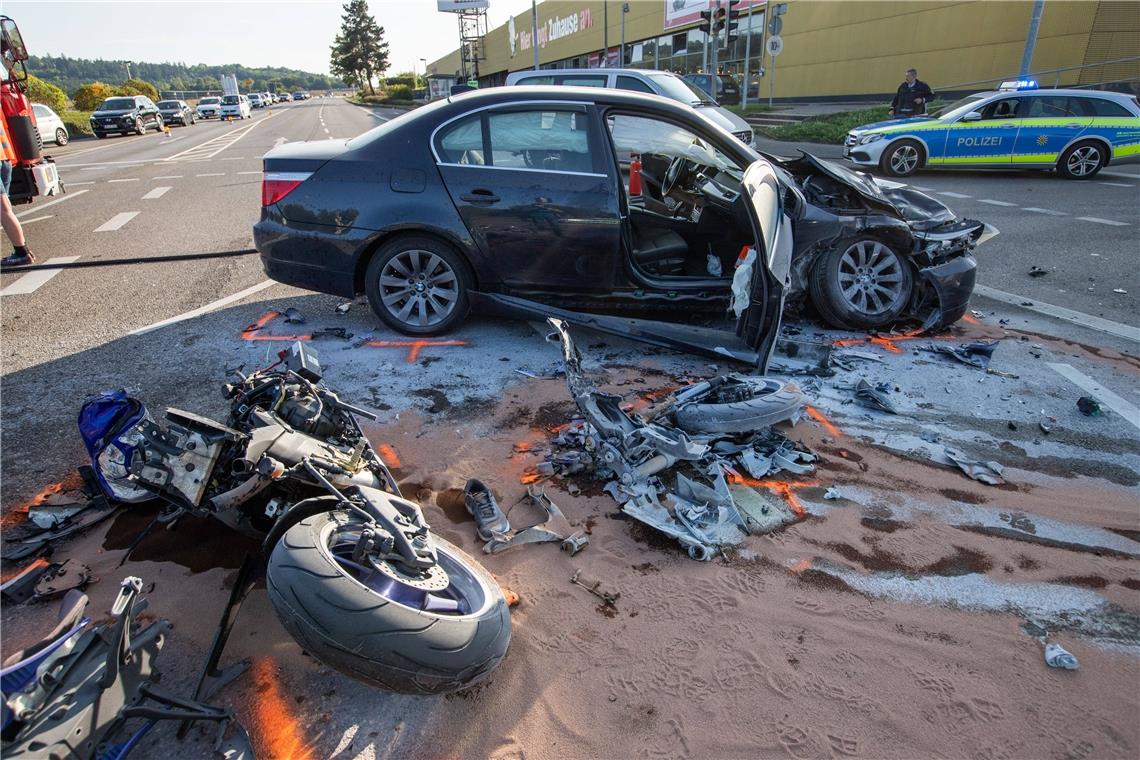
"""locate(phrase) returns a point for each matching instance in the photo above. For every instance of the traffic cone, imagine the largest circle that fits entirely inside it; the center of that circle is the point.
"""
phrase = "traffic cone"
(635, 176)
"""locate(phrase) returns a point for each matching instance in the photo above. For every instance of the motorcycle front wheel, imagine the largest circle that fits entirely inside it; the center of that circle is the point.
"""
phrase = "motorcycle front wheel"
(409, 635)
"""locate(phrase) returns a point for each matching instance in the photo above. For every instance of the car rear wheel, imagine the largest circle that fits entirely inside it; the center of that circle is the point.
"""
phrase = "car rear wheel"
(140, 128)
(418, 286)
(861, 284)
(1082, 161)
(901, 159)
(61, 136)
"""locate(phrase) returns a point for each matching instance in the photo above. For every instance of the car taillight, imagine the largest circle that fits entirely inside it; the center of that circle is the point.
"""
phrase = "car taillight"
(276, 185)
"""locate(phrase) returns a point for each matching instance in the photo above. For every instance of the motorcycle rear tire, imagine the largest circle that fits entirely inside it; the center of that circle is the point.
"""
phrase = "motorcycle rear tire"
(353, 629)
(775, 401)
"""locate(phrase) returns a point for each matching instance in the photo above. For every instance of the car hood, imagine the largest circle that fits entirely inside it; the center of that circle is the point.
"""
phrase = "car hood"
(890, 123)
(106, 114)
(724, 118)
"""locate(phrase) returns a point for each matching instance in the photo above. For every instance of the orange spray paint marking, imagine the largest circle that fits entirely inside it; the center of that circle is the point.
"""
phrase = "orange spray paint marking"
(18, 514)
(827, 424)
(414, 346)
(799, 567)
(388, 455)
(883, 341)
(41, 562)
(969, 319)
(530, 475)
(783, 488)
(274, 723)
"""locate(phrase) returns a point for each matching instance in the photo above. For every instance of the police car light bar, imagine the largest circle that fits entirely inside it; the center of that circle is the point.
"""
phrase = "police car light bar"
(1018, 84)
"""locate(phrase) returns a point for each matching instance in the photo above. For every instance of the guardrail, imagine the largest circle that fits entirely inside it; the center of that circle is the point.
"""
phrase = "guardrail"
(1037, 75)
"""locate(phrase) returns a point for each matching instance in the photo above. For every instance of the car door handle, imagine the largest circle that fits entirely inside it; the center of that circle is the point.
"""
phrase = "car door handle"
(1008, 126)
(1073, 125)
(480, 195)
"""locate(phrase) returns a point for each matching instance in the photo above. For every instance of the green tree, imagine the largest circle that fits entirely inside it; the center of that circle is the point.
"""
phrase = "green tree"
(89, 96)
(139, 87)
(51, 96)
(359, 53)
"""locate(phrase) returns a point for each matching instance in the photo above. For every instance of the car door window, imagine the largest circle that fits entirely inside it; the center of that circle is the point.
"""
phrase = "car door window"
(632, 83)
(1006, 108)
(537, 80)
(638, 135)
(583, 80)
(547, 139)
(1102, 107)
(462, 142)
(41, 112)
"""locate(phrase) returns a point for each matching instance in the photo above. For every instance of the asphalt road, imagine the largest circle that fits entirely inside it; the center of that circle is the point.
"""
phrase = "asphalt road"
(1085, 234)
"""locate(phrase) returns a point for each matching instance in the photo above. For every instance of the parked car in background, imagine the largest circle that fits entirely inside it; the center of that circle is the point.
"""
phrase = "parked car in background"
(235, 107)
(300, 95)
(513, 199)
(177, 112)
(727, 89)
(209, 107)
(1076, 132)
(125, 114)
(255, 100)
(286, 97)
(663, 83)
(49, 125)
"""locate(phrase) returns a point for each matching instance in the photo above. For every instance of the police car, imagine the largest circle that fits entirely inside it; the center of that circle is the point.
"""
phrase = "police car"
(1078, 132)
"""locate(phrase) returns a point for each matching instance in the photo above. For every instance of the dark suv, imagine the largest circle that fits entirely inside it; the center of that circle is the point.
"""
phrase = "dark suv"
(125, 114)
(727, 90)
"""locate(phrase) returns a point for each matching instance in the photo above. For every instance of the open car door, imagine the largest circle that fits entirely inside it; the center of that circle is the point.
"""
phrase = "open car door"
(758, 297)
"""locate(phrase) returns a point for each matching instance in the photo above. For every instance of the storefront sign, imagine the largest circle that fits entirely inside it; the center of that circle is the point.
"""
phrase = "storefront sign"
(682, 12)
(554, 28)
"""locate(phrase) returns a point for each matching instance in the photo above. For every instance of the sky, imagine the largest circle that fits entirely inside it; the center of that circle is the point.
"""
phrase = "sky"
(292, 33)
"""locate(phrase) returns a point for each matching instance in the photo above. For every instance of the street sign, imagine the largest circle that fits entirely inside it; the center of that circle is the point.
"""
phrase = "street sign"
(775, 26)
(774, 45)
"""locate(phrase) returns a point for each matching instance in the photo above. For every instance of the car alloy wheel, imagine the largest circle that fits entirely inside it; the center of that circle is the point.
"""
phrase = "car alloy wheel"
(1084, 161)
(871, 278)
(904, 160)
(61, 136)
(140, 129)
(419, 288)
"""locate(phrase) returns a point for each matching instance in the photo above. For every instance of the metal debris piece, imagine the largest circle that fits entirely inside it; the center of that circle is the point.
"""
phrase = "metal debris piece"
(51, 516)
(1056, 656)
(763, 511)
(554, 528)
(61, 577)
(989, 473)
(875, 399)
(294, 317)
(344, 307)
(801, 357)
(1121, 291)
(576, 542)
(975, 354)
(1089, 406)
(332, 332)
(22, 587)
(832, 494)
(1036, 271)
(608, 599)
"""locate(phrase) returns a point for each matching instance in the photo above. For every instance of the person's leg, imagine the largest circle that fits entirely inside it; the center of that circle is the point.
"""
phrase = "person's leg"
(11, 224)
(20, 256)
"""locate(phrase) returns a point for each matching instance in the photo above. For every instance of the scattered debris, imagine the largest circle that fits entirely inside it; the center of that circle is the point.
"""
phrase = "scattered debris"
(874, 398)
(989, 473)
(608, 599)
(524, 373)
(832, 494)
(1036, 271)
(343, 308)
(555, 528)
(294, 317)
(1056, 656)
(1089, 406)
(576, 542)
(975, 354)
(481, 504)
(1121, 291)
(1046, 429)
(22, 587)
(61, 577)
(331, 332)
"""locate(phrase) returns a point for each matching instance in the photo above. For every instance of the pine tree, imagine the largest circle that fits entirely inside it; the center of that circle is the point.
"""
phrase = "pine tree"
(359, 53)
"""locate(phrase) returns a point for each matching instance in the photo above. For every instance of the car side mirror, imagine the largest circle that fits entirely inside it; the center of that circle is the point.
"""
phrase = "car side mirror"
(13, 41)
(973, 116)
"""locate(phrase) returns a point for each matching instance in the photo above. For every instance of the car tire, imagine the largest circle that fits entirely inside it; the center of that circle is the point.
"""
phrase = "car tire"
(861, 283)
(140, 127)
(157, 124)
(1082, 161)
(61, 136)
(100, 135)
(411, 300)
(902, 159)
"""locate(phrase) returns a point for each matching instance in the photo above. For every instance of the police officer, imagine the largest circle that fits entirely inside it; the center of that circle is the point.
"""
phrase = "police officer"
(912, 96)
(20, 256)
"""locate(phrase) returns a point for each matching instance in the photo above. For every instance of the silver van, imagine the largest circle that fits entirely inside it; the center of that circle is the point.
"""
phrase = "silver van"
(654, 82)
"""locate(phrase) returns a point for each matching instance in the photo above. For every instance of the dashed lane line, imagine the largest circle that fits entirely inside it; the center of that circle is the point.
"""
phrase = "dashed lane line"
(249, 172)
(156, 193)
(949, 194)
(126, 179)
(41, 206)
(205, 309)
(1098, 220)
(992, 202)
(169, 176)
(32, 281)
(1129, 332)
(233, 158)
(37, 219)
(1046, 211)
(117, 221)
(211, 174)
(1124, 408)
(1116, 184)
(79, 184)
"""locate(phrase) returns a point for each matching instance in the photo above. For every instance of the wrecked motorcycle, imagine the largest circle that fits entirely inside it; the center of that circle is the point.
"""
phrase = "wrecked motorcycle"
(353, 570)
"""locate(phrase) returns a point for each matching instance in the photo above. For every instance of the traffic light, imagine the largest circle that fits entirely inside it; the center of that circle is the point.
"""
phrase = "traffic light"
(706, 22)
(725, 18)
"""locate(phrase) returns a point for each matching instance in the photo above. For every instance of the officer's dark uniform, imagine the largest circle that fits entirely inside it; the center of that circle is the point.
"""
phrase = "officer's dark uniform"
(904, 105)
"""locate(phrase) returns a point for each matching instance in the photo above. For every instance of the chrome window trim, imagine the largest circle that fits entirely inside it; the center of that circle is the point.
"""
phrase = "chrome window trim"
(523, 169)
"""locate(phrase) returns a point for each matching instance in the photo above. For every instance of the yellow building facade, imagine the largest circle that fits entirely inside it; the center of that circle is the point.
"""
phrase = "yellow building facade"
(832, 49)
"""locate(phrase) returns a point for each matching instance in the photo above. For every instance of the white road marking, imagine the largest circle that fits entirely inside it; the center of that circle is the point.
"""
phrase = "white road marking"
(1115, 184)
(169, 176)
(42, 206)
(32, 281)
(1106, 397)
(386, 118)
(211, 174)
(279, 141)
(156, 193)
(78, 184)
(995, 203)
(216, 145)
(949, 194)
(37, 219)
(1100, 324)
(1124, 175)
(117, 221)
(1098, 220)
(92, 165)
(327, 129)
(233, 158)
(128, 179)
(249, 172)
(205, 309)
(1046, 211)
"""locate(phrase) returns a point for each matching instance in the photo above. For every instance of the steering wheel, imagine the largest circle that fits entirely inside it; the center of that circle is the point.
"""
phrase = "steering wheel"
(673, 175)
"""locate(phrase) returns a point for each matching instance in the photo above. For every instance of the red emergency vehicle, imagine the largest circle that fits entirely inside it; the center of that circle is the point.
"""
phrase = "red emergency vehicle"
(32, 173)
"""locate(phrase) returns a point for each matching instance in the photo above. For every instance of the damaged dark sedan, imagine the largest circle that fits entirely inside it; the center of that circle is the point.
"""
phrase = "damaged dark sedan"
(582, 203)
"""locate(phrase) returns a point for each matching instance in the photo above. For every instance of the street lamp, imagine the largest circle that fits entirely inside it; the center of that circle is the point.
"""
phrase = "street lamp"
(424, 62)
(624, 10)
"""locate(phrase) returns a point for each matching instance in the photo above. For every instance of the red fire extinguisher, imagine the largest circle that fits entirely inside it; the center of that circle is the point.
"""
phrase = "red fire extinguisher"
(635, 176)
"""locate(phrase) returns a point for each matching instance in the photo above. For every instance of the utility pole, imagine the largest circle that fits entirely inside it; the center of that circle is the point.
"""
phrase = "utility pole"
(624, 10)
(715, 44)
(1031, 37)
(747, 62)
(605, 33)
(534, 31)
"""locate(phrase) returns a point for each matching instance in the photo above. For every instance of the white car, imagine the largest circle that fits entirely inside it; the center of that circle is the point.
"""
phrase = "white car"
(50, 126)
(209, 107)
(235, 107)
(256, 101)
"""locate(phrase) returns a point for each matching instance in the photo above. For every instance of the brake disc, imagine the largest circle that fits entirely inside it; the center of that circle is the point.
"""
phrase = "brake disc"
(434, 578)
